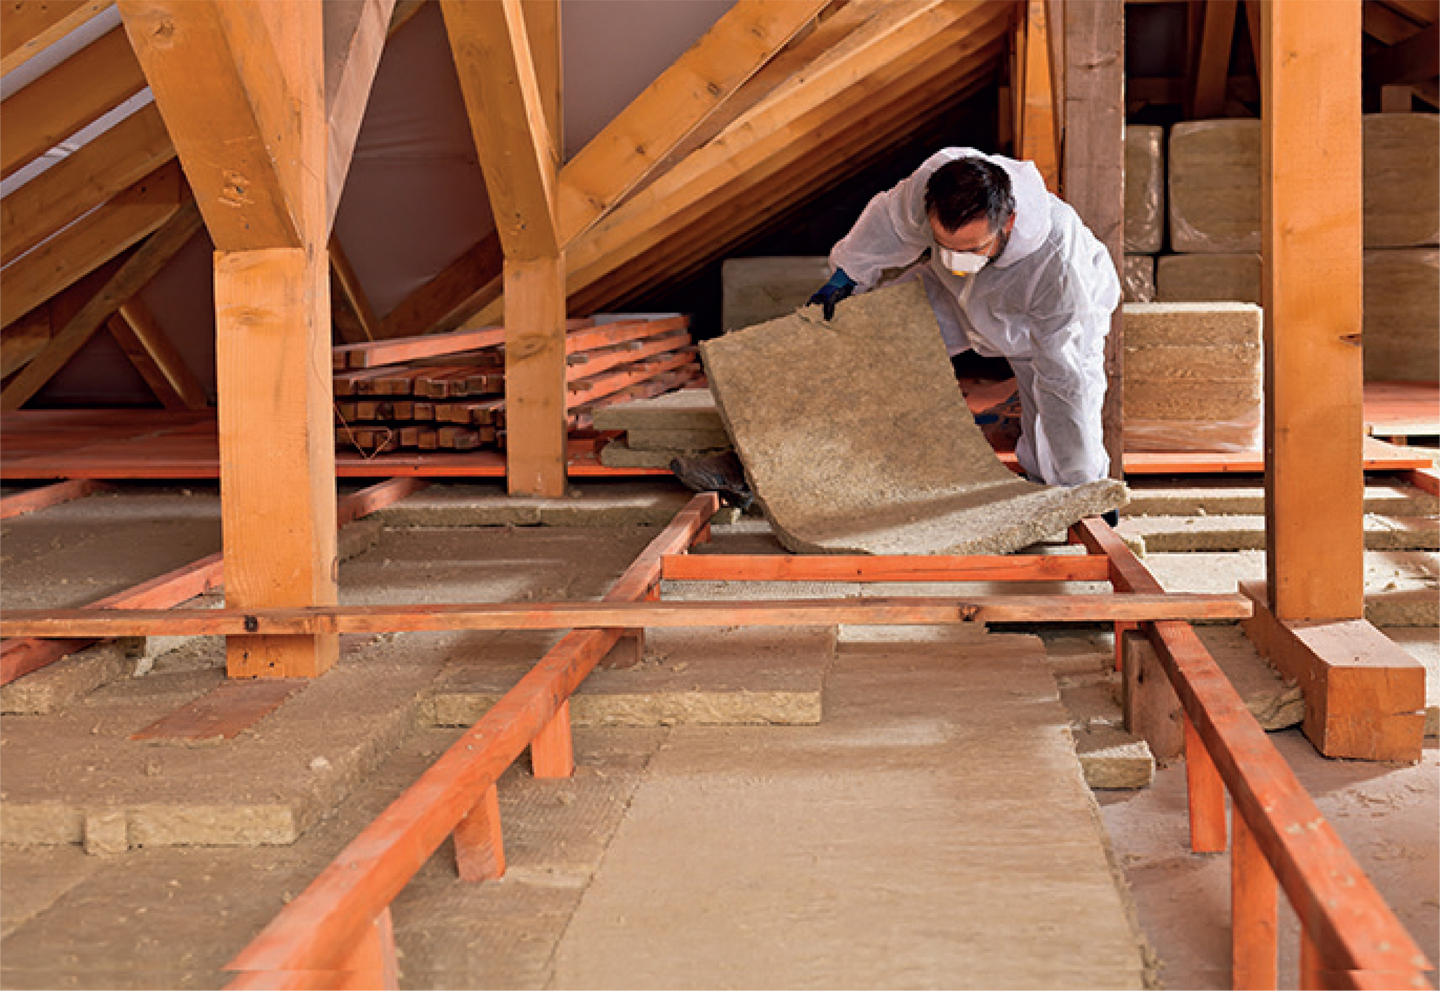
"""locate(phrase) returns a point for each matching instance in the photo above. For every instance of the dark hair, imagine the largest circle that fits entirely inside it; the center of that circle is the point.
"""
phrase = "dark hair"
(961, 191)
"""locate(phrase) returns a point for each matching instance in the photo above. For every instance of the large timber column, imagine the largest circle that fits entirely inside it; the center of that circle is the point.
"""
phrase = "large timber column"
(518, 152)
(241, 87)
(1363, 694)
(1092, 87)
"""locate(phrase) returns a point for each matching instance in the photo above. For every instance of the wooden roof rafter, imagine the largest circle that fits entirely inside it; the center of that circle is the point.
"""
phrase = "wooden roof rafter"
(27, 29)
(66, 99)
(491, 49)
(794, 121)
(902, 104)
(678, 102)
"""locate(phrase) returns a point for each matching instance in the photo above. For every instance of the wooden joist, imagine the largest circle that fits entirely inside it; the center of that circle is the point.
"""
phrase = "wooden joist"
(878, 611)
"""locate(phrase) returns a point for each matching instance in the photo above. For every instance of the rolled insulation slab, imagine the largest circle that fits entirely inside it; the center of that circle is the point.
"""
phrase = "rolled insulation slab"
(1402, 180)
(758, 289)
(1214, 186)
(1144, 189)
(1402, 315)
(1194, 377)
(1208, 278)
(1139, 278)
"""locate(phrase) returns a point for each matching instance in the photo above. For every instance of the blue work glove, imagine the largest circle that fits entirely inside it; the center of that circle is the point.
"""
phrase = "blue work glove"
(832, 292)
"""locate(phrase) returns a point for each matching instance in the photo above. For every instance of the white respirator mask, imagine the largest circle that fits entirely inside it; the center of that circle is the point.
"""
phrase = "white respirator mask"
(962, 262)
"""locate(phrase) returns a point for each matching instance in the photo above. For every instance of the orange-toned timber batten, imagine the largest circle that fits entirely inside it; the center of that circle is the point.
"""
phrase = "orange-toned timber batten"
(338, 931)
(21, 655)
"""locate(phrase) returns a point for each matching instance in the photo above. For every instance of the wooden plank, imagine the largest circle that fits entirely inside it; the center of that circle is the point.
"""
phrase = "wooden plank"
(234, 620)
(588, 390)
(141, 327)
(552, 752)
(1313, 307)
(1329, 891)
(70, 96)
(453, 296)
(83, 180)
(1425, 479)
(352, 293)
(90, 242)
(909, 35)
(618, 158)
(590, 363)
(214, 68)
(604, 334)
(1094, 167)
(1206, 790)
(885, 568)
(1364, 695)
(20, 657)
(479, 843)
(535, 393)
(542, 27)
(1254, 912)
(132, 276)
(46, 496)
(27, 29)
(143, 362)
(507, 118)
(224, 712)
(277, 455)
(1037, 131)
(320, 925)
(1212, 71)
(24, 339)
(355, 32)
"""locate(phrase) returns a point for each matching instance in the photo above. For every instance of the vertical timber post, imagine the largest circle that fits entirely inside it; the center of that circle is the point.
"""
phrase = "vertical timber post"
(1093, 165)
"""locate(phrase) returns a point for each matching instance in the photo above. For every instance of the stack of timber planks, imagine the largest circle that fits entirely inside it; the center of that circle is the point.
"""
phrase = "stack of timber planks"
(447, 391)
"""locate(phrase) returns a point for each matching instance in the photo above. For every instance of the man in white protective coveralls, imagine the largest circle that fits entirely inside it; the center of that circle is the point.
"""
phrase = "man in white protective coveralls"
(1012, 273)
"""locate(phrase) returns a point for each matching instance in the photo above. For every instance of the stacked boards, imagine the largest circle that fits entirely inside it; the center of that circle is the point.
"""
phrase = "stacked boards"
(447, 391)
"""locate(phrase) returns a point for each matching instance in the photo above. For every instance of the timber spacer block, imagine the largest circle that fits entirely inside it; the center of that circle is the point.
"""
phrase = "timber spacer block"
(1364, 695)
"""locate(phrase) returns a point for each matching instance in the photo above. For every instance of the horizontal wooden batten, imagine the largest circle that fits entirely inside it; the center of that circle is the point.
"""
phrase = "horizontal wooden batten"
(625, 615)
(885, 568)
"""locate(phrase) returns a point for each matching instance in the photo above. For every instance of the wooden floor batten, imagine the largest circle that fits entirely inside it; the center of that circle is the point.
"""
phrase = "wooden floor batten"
(159, 444)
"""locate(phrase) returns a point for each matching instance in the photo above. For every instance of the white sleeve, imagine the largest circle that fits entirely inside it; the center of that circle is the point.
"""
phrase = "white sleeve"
(892, 230)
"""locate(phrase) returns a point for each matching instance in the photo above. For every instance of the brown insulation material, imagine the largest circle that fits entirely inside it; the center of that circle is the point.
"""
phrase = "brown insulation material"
(1193, 377)
(856, 439)
(758, 289)
(1208, 278)
(1402, 315)
(1215, 186)
(1144, 188)
(1402, 180)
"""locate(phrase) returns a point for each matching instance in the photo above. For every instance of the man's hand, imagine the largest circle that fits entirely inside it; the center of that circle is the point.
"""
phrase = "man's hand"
(832, 292)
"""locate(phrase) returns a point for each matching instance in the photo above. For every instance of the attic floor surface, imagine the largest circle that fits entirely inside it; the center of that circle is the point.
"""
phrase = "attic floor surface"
(932, 822)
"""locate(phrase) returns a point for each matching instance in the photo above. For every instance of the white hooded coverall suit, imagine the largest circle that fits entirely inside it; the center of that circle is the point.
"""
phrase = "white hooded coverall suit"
(1044, 304)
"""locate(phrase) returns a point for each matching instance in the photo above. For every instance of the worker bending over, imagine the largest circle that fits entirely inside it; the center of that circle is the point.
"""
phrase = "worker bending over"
(1012, 273)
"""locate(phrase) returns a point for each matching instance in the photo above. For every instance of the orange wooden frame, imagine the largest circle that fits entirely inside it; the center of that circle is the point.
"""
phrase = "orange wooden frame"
(1350, 936)
(22, 655)
(321, 928)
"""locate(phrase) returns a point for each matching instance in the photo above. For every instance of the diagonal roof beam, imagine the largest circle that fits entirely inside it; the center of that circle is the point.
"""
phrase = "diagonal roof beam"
(355, 32)
(746, 37)
(70, 96)
(80, 182)
(507, 118)
(777, 127)
(213, 67)
(27, 29)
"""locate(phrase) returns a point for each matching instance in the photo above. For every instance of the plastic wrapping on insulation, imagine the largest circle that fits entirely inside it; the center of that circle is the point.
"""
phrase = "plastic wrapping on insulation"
(1144, 189)
(1224, 436)
(1214, 185)
(1138, 278)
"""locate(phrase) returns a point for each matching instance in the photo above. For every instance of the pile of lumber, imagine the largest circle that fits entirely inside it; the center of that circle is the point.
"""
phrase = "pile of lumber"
(447, 391)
